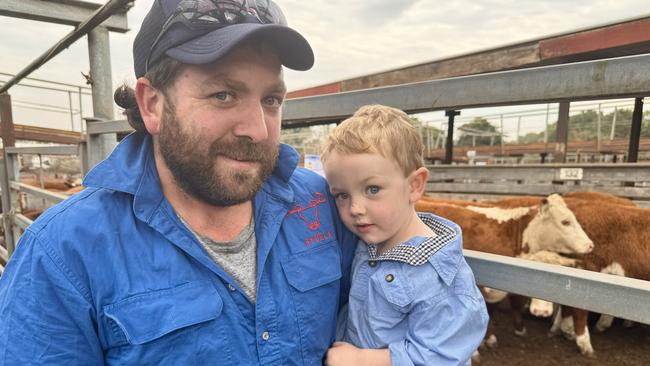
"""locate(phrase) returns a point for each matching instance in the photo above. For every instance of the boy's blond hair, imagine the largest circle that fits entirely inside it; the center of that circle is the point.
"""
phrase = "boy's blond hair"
(378, 129)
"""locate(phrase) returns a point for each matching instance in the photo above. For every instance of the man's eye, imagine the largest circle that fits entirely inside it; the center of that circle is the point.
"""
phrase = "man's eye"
(372, 190)
(273, 101)
(223, 96)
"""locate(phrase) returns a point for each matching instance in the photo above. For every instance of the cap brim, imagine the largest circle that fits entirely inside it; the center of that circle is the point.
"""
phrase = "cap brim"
(292, 48)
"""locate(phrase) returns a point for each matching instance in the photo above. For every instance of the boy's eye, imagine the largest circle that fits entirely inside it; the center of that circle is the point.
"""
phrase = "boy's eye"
(372, 190)
(340, 196)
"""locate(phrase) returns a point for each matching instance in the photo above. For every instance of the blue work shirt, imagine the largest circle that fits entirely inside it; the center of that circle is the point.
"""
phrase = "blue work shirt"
(111, 276)
(418, 299)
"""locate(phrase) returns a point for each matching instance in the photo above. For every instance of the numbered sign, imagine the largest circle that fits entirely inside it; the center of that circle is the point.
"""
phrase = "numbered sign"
(570, 173)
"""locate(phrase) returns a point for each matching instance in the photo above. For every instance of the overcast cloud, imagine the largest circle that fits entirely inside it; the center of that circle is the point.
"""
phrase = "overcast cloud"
(350, 38)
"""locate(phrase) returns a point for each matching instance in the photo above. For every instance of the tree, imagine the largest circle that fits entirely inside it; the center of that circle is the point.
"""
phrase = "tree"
(584, 126)
(431, 136)
(478, 132)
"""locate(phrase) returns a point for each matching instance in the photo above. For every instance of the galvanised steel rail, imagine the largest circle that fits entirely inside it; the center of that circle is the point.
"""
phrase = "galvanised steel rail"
(13, 221)
(603, 293)
(116, 126)
(602, 79)
(38, 192)
(45, 150)
(95, 19)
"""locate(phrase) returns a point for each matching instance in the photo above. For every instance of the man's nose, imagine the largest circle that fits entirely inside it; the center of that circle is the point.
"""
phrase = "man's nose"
(252, 123)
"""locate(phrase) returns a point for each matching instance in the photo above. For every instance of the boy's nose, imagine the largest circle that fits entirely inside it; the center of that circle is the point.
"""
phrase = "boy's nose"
(356, 209)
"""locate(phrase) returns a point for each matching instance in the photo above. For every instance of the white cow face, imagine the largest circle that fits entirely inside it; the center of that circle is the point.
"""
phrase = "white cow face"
(541, 308)
(556, 229)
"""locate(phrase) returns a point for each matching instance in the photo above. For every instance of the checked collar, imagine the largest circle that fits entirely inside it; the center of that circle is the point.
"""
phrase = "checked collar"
(416, 255)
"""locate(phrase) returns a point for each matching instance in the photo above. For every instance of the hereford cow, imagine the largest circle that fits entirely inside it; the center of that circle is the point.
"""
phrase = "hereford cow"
(599, 228)
(550, 226)
(573, 323)
(622, 247)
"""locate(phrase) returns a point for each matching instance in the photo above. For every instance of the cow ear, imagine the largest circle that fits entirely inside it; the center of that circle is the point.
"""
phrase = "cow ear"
(543, 207)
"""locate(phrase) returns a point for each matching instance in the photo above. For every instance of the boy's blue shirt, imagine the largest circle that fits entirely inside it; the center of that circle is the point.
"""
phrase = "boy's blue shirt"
(111, 276)
(427, 314)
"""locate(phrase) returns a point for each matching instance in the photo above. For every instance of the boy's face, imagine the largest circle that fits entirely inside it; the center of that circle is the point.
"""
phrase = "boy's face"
(372, 195)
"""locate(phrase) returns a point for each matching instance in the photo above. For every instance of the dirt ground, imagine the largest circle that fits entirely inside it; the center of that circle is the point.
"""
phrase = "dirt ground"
(618, 345)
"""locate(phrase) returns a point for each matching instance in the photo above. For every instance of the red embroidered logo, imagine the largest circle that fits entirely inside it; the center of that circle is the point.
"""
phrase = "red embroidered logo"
(309, 213)
(318, 237)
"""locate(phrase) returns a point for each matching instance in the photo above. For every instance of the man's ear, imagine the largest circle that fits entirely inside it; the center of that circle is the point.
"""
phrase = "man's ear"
(151, 104)
(417, 183)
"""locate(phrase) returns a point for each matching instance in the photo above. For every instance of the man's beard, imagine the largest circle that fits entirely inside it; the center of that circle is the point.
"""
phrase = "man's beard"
(198, 173)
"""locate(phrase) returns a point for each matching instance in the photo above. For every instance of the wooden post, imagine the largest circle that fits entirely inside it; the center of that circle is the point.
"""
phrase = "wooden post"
(562, 133)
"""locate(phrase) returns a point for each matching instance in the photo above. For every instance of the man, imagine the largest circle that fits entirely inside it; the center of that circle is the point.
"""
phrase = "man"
(197, 241)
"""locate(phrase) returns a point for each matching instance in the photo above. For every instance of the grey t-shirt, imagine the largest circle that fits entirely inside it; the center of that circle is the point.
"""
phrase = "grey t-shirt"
(237, 257)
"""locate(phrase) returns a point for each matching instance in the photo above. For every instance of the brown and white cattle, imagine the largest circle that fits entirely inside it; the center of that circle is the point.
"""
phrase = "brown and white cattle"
(622, 247)
(589, 208)
(549, 226)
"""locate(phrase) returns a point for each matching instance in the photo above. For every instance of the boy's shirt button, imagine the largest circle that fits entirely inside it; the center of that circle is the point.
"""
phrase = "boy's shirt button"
(372, 263)
(389, 278)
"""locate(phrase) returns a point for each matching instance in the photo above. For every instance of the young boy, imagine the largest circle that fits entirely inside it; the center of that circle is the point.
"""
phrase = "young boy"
(413, 299)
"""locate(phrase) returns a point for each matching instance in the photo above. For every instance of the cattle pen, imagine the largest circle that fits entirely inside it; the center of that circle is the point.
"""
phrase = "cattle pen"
(625, 77)
(610, 78)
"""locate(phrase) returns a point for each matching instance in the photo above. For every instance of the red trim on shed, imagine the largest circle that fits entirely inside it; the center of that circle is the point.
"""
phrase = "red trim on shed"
(599, 39)
(316, 90)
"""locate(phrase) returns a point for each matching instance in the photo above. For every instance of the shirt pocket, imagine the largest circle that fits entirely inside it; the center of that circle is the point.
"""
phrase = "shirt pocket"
(313, 268)
(314, 279)
(396, 288)
(149, 316)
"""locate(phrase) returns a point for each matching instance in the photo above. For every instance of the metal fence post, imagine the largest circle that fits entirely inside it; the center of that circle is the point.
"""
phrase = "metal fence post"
(6, 208)
(10, 172)
(449, 147)
(99, 146)
(635, 131)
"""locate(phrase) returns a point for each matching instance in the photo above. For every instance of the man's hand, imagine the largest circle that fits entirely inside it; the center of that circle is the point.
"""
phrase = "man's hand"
(342, 354)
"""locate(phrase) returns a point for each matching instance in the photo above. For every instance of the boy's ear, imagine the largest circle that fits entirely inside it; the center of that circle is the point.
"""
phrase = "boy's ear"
(151, 104)
(417, 183)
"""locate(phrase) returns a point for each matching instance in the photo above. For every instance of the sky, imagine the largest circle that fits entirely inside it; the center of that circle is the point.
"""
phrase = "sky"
(349, 38)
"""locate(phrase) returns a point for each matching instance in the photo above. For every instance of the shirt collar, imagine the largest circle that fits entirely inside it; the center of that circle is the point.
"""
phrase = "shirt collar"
(419, 250)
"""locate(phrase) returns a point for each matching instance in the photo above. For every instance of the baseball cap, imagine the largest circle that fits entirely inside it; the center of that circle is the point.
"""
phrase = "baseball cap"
(202, 31)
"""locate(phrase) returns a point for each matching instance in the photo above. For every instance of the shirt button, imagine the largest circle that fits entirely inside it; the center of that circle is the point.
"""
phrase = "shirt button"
(266, 336)
(389, 278)
(231, 288)
(372, 263)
